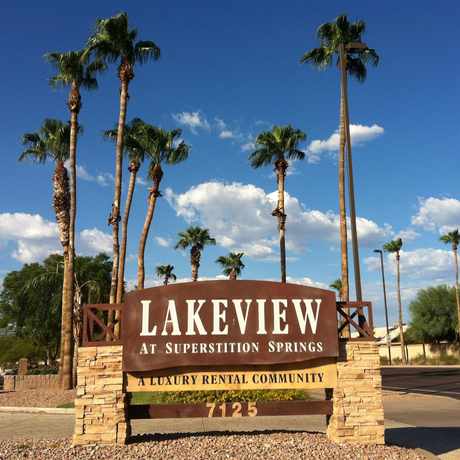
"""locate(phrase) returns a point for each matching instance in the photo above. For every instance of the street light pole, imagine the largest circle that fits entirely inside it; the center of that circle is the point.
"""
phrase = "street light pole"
(380, 252)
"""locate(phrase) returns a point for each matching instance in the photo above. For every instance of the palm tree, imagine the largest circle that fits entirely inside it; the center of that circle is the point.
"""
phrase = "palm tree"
(276, 147)
(162, 147)
(453, 238)
(231, 264)
(343, 40)
(74, 71)
(196, 238)
(51, 142)
(337, 285)
(114, 41)
(165, 272)
(136, 154)
(394, 247)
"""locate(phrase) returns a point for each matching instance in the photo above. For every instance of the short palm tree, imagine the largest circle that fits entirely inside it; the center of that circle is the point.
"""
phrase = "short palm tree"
(337, 285)
(196, 238)
(51, 142)
(341, 41)
(135, 152)
(74, 71)
(114, 41)
(231, 264)
(276, 147)
(453, 238)
(161, 147)
(166, 272)
(394, 247)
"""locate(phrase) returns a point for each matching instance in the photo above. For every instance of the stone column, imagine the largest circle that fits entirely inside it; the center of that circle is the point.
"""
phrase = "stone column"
(100, 403)
(357, 399)
(23, 366)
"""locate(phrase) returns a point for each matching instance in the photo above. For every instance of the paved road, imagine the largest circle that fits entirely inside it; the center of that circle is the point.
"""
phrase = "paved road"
(443, 381)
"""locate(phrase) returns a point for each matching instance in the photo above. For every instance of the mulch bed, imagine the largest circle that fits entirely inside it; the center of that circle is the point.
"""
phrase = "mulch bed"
(36, 398)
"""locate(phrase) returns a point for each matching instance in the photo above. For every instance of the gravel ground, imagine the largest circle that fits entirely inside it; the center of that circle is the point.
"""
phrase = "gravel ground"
(271, 445)
(36, 398)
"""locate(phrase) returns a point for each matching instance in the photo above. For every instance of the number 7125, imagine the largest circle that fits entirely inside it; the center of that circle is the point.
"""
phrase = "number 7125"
(235, 409)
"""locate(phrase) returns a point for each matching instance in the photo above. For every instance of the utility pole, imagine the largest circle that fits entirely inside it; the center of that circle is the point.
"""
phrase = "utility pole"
(380, 252)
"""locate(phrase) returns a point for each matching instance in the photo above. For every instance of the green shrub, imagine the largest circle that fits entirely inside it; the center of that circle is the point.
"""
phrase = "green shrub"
(216, 396)
(43, 370)
(442, 359)
(14, 348)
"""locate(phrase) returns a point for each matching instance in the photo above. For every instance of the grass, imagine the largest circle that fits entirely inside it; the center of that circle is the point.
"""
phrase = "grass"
(68, 405)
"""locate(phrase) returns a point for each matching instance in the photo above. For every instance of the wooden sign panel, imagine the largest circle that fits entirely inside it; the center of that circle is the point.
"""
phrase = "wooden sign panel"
(225, 323)
(321, 375)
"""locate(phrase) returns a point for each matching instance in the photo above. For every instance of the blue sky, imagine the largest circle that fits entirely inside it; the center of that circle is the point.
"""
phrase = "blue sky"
(229, 71)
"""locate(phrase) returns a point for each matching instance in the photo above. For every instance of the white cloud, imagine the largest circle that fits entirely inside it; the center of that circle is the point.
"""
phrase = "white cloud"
(20, 225)
(164, 242)
(103, 179)
(221, 125)
(431, 265)
(438, 214)
(226, 134)
(248, 146)
(307, 282)
(141, 181)
(239, 217)
(34, 238)
(359, 135)
(93, 241)
(408, 234)
(193, 120)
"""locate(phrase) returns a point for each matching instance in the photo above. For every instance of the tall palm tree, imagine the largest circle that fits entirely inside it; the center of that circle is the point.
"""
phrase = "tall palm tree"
(73, 71)
(276, 147)
(337, 285)
(166, 272)
(394, 247)
(114, 41)
(136, 153)
(231, 264)
(162, 147)
(343, 40)
(51, 142)
(196, 238)
(453, 238)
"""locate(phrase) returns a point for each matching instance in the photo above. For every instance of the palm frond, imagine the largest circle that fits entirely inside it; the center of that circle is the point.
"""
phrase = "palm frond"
(145, 51)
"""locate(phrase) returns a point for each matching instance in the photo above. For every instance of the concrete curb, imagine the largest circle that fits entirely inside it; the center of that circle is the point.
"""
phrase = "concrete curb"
(43, 410)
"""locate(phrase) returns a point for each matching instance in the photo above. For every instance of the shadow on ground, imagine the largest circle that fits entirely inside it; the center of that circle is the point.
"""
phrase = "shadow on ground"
(172, 436)
(437, 440)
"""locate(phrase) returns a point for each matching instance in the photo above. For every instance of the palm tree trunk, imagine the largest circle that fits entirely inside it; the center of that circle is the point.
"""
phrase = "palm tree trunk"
(457, 296)
(61, 205)
(281, 166)
(166, 281)
(232, 275)
(154, 194)
(351, 193)
(114, 218)
(133, 168)
(195, 256)
(345, 295)
(401, 332)
(68, 293)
